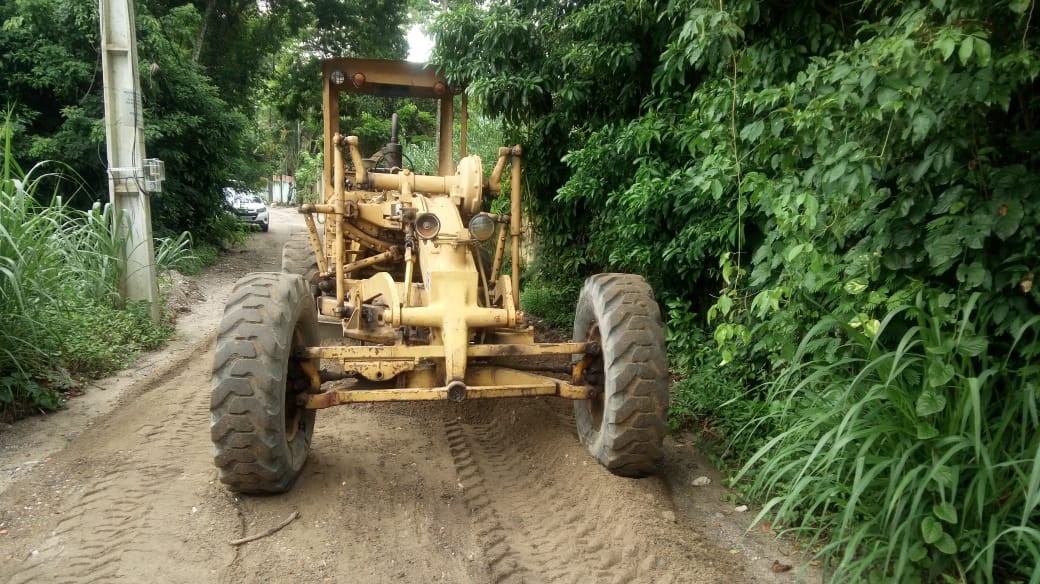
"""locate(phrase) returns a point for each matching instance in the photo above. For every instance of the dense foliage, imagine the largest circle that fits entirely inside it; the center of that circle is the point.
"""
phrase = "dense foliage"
(771, 167)
(292, 93)
(51, 57)
(60, 315)
(203, 65)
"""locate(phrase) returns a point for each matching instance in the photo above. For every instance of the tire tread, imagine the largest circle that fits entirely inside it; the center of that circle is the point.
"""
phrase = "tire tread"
(298, 257)
(632, 336)
(249, 369)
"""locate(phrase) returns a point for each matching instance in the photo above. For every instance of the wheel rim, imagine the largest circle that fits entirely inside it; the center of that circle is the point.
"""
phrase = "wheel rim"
(594, 376)
(295, 382)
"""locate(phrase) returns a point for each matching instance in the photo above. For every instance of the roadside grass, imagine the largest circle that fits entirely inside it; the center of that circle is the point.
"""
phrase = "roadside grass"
(552, 302)
(914, 455)
(203, 256)
(907, 454)
(101, 339)
(61, 316)
(707, 397)
(183, 254)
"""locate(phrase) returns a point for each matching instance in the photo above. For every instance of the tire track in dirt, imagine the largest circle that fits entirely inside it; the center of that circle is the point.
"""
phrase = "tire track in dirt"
(378, 502)
(503, 560)
(546, 512)
(565, 523)
(95, 528)
(134, 489)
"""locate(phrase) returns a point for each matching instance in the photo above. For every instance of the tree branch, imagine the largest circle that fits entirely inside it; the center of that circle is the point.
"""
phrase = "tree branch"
(295, 515)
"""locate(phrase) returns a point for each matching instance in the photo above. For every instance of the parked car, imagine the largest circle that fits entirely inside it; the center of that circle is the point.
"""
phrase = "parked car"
(248, 207)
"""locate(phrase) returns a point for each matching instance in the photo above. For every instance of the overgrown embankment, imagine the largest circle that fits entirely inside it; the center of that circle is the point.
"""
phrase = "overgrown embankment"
(61, 317)
(833, 202)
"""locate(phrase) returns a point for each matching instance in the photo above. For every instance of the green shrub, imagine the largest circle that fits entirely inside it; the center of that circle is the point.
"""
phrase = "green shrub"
(97, 339)
(60, 314)
(712, 400)
(913, 455)
(554, 303)
(173, 253)
(778, 168)
(31, 282)
(308, 172)
(202, 255)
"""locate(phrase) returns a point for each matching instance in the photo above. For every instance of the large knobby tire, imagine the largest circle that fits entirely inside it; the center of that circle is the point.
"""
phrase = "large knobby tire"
(623, 425)
(298, 257)
(261, 436)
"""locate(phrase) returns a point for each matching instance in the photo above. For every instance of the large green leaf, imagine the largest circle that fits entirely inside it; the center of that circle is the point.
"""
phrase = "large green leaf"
(940, 372)
(929, 403)
(945, 511)
(946, 544)
(931, 530)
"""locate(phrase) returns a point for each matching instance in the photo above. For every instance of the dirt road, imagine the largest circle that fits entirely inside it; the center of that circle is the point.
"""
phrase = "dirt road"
(501, 491)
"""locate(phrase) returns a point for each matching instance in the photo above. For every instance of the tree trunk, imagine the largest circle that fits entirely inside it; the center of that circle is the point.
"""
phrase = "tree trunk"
(210, 7)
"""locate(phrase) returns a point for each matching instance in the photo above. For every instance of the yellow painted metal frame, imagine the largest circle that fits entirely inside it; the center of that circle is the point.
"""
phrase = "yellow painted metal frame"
(369, 353)
(481, 383)
(411, 79)
(448, 303)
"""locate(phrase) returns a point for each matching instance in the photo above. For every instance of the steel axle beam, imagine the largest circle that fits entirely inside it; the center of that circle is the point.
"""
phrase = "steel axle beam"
(484, 383)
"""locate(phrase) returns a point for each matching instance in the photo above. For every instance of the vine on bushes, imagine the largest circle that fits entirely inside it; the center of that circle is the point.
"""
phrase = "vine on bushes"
(770, 166)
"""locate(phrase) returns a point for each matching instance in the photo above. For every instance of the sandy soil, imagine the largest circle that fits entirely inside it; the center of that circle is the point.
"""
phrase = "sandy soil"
(121, 488)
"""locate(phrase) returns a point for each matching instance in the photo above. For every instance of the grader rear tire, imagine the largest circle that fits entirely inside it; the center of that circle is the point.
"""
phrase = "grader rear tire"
(261, 436)
(623, 426)
(298, 258)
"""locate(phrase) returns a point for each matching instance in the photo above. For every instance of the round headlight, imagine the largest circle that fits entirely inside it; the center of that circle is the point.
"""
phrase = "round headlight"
(337, 77)
(427, 226)
(481, 227)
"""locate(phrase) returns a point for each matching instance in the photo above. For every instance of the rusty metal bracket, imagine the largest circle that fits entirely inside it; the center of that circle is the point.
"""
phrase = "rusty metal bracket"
(578, 373)
(350, 209)
(312, 374)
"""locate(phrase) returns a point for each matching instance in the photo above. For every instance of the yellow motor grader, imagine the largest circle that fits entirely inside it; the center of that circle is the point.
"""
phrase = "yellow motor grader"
(401, 275)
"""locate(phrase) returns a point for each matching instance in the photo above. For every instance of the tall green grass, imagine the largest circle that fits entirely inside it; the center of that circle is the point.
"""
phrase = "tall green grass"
(180, 253)
(553, 302)
(914, 455)
(484, 138)
(30, 279)
(60, 313)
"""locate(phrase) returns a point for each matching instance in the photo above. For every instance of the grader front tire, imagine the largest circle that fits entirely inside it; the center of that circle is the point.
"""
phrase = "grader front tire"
(298, 258)
(261, 436)
(624, 424)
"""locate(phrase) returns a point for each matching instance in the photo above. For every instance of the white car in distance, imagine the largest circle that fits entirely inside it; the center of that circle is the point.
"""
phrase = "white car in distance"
(248, 208)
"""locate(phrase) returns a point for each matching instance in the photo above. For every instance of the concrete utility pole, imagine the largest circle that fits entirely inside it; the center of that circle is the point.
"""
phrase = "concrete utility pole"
(124, 130)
